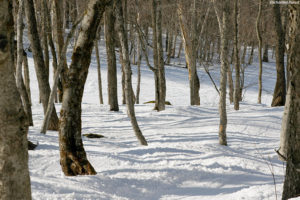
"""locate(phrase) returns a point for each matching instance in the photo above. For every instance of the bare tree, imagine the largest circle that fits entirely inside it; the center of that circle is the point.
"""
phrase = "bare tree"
(237, 55)
(73, 158)
(19, 78)
(127, 69)
(224, 28)
(14, 173)
(41, 71)
(259, 37)
(109, 26)
(280, 87)
(190, 41)
(291, 133)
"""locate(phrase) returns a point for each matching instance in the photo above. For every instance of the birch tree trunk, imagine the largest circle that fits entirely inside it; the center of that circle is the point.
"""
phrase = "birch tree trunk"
(41, 72)
(291, 186)
(126, 63)
(14, 173)
(112, 86)
(259, 37)
(280, 87)
(73, 158)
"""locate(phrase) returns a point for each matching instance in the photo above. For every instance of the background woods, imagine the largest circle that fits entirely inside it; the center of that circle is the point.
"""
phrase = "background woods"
(181, 73)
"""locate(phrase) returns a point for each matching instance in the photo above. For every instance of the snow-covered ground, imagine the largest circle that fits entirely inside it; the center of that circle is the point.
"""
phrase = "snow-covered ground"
(183, 159)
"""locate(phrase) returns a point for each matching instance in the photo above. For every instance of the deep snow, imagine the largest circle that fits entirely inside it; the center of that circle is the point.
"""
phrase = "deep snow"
(183, 159)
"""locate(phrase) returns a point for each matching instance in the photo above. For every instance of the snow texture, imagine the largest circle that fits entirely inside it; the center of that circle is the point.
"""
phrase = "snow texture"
(183, 159)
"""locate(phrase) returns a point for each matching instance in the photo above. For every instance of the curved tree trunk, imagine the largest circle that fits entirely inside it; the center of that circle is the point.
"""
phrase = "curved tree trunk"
(291, 186)
(14, 173)
(280, 87)
(127, 68)
(112, 86)
(41, 72)
(73, 158)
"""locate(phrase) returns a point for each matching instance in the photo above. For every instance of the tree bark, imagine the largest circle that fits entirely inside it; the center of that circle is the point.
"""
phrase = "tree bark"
(99, 72)
(126, 63)
(26, 76)
(259, 37)
(73, 158)
(190, 44)
(59, 33)
(111, 59)
(265, 55)
(19, 78)
(280, 87)
(160, 99)
(14, 173)
(237, 55)
(291, 186)
(41, 72)
(224, 28)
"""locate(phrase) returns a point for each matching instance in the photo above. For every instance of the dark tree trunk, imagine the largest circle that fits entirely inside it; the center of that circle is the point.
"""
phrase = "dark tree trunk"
(265, 55)
(111, 59)
(280, 87)
(73, 158)
(291, 186)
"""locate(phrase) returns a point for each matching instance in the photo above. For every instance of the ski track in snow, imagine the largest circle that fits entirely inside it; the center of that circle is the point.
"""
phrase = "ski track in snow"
(183, 159)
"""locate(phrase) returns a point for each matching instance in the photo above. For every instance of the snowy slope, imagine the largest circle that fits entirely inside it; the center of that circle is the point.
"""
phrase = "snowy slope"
(183, 159)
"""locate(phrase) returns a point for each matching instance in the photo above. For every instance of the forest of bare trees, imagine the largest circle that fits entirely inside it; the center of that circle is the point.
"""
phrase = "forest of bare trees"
(229, 34)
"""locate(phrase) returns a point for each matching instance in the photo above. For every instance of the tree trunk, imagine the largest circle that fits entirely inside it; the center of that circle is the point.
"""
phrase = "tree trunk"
(73, 158)
(237, 55)
(291, 186)
(14, 173)
(224, 28)
(126, 63)
(99, 72)
(26, 76)
(112, 86)
(19, 78)
(259, 37)
(230, 84)
(60, 66)
(139, 56)
(190, 44)
(59, 33)
(41, 71)
(266, 50)
(251, 55)
(280, 87)
(50, 41)
(161, 97)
